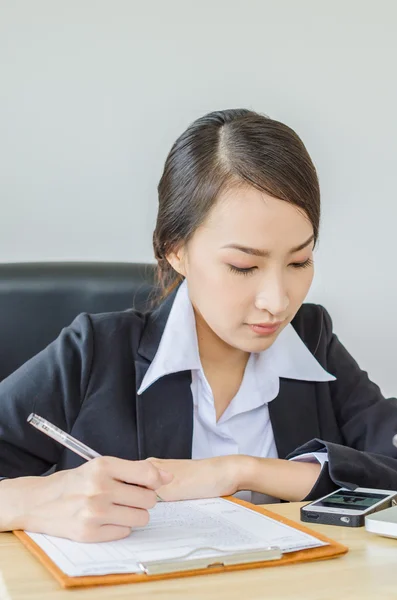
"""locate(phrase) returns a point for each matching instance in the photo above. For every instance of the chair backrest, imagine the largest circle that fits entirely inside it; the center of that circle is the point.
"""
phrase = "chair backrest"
(38, 299)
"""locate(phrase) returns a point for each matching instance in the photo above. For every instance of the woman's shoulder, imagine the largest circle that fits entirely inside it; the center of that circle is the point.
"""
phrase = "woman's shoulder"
(118, 323)
(129, 330)
(313, 324)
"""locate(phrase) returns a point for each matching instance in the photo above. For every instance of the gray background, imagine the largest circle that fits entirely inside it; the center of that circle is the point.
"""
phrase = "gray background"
(94, 92)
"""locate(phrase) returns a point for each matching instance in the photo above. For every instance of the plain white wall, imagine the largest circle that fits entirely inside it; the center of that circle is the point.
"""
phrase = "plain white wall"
(94, 92)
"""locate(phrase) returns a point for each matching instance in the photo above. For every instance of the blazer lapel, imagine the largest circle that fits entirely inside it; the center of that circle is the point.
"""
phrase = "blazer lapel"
(165, 418)
(164, 411)
(293, 415)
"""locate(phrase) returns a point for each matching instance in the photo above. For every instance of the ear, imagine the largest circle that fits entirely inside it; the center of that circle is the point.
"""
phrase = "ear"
(177, 260)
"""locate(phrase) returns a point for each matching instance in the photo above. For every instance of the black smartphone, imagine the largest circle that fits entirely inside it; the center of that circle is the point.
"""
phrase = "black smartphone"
(347, 507)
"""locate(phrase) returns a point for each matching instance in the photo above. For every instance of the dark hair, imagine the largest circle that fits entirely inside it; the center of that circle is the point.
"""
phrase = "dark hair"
(223, 148)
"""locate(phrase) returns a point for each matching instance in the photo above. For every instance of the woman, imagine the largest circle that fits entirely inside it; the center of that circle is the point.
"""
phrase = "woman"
(228, 380)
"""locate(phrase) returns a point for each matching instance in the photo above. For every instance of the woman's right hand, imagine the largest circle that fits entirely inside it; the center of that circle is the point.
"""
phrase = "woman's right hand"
(102, 500)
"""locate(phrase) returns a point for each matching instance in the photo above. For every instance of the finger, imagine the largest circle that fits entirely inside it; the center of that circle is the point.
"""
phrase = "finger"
(124, 516)
(132, 495)
(142, 472)
(166, 476)
(108, 533)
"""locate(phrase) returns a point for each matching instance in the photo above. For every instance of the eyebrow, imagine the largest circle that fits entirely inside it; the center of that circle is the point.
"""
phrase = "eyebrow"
(266, 253)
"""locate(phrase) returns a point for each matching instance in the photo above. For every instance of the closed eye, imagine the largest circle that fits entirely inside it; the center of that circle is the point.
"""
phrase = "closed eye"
(249, 270)
(302, 265)
(241, 271)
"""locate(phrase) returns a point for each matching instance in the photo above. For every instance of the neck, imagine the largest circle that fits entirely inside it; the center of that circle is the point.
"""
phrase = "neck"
(214, 351)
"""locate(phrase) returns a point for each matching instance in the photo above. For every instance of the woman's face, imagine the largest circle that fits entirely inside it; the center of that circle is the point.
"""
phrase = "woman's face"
(250, 263)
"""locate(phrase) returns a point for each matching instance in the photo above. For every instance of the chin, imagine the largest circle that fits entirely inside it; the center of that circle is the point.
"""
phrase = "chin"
(255, 346)
(259, 344)
(262, 345)
(251, 343)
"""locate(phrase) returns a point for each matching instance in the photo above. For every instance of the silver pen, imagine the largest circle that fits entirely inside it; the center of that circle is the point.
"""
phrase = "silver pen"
(65, 439)
(62, 437)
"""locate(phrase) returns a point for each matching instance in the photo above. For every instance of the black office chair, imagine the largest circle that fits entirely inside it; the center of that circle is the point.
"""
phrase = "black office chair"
(38, 299)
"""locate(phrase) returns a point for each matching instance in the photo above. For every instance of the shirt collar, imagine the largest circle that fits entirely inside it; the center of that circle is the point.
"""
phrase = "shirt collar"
(290, 358)
(178, 351)
(178, 348)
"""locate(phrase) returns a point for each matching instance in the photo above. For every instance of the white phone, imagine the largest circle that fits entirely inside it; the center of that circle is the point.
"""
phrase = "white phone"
(347, 507)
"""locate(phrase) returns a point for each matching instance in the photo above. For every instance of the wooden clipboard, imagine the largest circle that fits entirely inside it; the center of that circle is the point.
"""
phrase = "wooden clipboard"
(331, 550)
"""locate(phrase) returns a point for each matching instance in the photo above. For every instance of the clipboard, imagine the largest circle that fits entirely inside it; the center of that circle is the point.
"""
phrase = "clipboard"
(189, 566)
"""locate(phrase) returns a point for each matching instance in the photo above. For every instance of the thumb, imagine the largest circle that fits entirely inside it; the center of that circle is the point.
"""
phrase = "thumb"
(166, 477)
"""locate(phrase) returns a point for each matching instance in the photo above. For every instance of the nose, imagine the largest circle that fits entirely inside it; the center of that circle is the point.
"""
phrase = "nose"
(272, 295)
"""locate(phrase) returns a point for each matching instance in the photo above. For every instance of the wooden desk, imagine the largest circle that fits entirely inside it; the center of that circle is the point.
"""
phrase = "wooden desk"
(367, 572)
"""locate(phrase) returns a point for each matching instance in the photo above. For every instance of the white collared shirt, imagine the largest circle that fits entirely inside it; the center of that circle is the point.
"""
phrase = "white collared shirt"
(245, 426)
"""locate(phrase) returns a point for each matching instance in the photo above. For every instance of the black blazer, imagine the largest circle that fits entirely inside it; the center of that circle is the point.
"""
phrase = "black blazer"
(86, 382)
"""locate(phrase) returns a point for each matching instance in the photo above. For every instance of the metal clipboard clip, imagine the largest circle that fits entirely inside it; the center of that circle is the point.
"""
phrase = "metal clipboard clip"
(223, 558)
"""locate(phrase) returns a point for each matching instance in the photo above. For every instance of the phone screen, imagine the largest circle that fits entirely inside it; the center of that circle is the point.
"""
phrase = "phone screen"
(350, 499)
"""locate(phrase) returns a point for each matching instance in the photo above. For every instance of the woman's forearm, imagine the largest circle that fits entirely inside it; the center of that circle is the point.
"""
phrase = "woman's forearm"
(284, 479)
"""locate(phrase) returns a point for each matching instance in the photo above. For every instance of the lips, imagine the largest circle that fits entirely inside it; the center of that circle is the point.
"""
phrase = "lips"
(265, 328)
(267, 325)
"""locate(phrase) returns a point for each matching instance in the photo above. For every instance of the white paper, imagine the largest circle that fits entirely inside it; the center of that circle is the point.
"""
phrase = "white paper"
(176, 528)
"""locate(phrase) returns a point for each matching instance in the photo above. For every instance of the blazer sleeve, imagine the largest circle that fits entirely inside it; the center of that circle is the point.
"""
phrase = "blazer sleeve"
(367, 422)
(51, 384)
